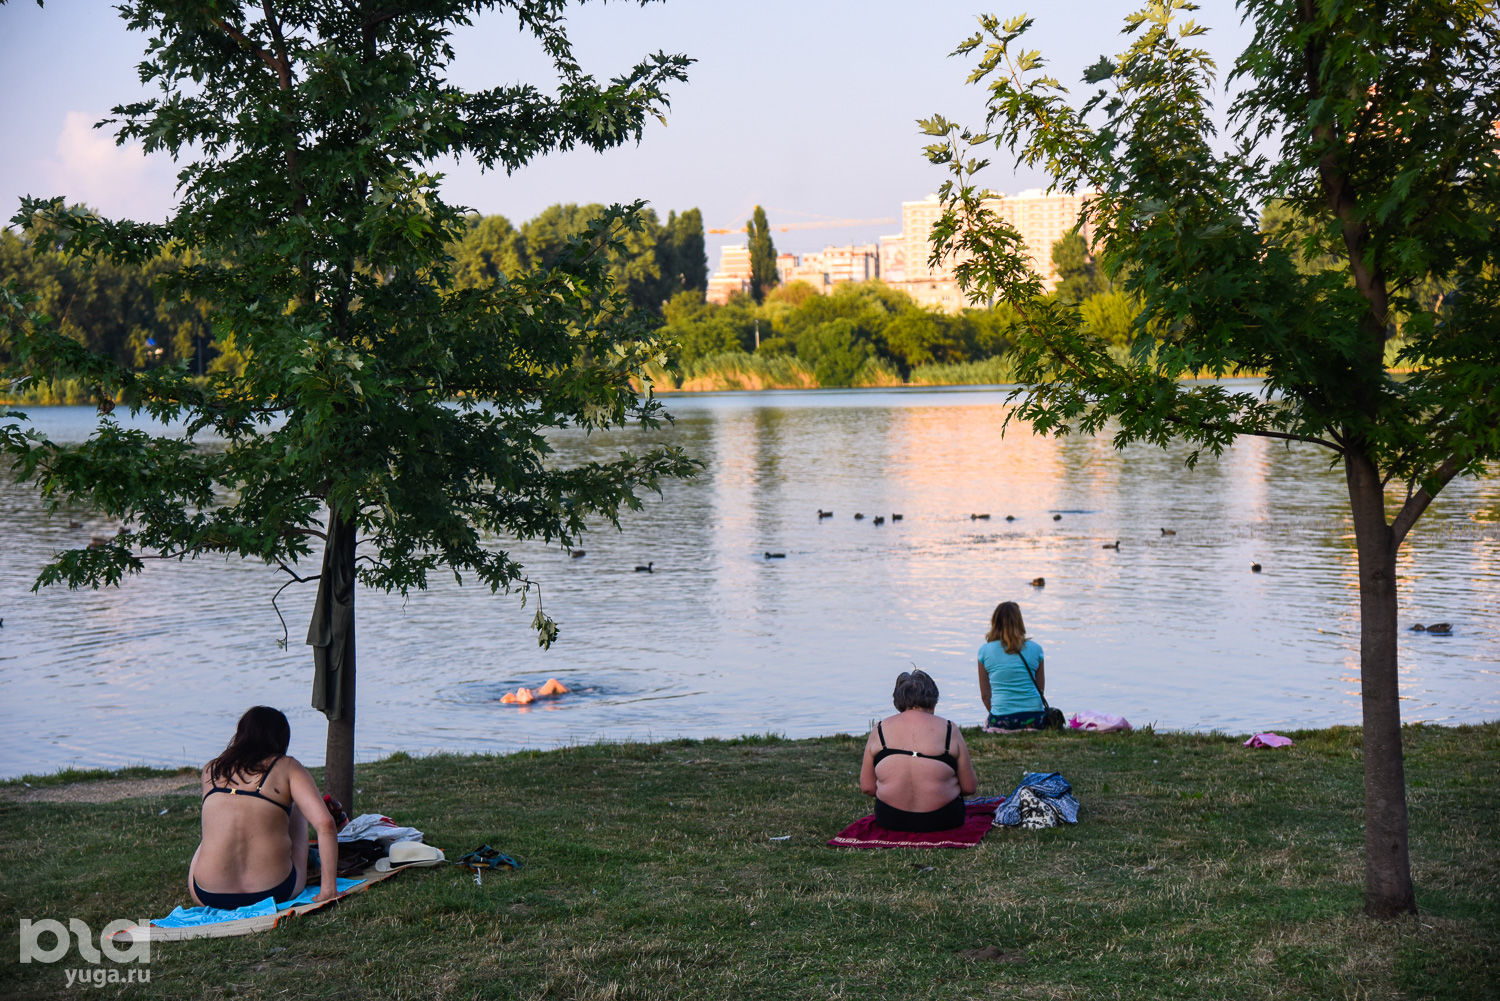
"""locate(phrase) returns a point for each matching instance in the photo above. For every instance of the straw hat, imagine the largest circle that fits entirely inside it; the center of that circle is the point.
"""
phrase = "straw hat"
(409, 854)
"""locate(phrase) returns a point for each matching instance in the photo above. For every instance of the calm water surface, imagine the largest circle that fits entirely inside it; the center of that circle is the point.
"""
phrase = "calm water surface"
(719, 641)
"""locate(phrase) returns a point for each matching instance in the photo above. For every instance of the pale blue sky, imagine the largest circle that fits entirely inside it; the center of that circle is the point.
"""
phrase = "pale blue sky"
(807, 108)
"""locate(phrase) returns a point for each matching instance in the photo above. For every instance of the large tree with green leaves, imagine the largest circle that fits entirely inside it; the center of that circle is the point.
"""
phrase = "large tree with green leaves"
(382, 411)
(680, 251)
(763, 275)
(1375, 120)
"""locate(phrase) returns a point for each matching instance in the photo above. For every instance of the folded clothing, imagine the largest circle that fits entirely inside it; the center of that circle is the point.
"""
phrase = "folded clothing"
(188, 917)
(374, 827)
(1041, 800)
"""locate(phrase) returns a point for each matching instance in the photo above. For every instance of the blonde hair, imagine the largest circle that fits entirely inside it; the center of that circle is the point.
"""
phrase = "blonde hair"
(1007, 626)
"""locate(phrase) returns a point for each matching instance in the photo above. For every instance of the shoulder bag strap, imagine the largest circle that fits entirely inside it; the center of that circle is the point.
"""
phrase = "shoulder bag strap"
(1032, 675)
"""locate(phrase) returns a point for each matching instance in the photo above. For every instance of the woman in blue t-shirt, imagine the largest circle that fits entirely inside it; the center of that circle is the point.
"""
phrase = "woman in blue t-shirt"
(1008, 662)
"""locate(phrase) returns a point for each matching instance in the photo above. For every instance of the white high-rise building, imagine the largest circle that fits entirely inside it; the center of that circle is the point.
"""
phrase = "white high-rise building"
(1040, 218)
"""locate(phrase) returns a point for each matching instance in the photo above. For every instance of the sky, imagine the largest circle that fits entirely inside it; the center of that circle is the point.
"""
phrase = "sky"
(808, 108)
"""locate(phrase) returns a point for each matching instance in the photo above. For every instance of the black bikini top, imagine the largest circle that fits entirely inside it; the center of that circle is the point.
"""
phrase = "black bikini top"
(946, 757)
(231, 790)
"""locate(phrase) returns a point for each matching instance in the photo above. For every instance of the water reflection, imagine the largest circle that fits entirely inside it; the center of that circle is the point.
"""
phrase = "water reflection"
(719, 640)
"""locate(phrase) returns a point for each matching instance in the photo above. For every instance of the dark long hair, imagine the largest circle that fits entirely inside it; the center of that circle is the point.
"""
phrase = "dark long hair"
(263, 733)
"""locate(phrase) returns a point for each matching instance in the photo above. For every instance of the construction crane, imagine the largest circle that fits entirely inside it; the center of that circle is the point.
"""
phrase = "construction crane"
(815, 224)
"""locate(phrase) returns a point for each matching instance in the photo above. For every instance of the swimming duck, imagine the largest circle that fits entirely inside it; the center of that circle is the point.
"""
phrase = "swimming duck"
(1010, 517)
(880, 519)
(895, 517)
(775, 556)
(1255, 568)
(858, 516)
(646, 568)
(1111, 545)
(1169, 531)
(1440, 629)
(1039, 582)
(979, 517)
(824, 514)
(1057, 517)
(576, 553)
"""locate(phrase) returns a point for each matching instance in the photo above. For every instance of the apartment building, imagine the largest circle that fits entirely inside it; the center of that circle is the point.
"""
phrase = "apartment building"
(832, 266)
(1040, 218)
(733, 275)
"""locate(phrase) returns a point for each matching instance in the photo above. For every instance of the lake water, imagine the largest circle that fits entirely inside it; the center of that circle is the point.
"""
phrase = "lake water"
(720, 641)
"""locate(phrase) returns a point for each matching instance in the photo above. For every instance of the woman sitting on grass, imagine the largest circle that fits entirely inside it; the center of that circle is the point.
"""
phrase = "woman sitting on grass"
(257, 803)
(916, 763)
(1011, 678)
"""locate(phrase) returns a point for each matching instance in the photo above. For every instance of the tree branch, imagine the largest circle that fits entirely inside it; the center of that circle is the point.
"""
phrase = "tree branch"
(1339, 191)
(248, 44)
(283, 64)
(1417, 502)
(285, 636)
(1237, 430)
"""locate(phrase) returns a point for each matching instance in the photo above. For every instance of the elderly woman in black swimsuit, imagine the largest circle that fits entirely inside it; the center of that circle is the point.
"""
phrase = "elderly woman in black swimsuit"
(916, 763)
(257, 803)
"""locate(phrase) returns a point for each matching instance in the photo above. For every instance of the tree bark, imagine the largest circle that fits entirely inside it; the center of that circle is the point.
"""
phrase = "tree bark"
(338, 769)
(1388, 886)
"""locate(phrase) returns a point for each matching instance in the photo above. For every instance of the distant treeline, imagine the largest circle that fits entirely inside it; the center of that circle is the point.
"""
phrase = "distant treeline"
(658, 261)
(117, 311)
(112, 309)
(868, 334)
(861, 334)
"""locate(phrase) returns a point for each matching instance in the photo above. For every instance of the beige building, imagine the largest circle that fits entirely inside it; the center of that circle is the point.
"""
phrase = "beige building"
(893, 258)
(733, 275)
(1040, 218)
(832, 266)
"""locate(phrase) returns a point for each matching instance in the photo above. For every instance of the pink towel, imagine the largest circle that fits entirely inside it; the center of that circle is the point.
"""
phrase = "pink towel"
(864, 833)
(1098, 722)
(1269, 740)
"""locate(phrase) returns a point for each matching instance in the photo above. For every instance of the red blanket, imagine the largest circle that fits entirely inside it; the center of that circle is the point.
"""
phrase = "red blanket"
(864, 833)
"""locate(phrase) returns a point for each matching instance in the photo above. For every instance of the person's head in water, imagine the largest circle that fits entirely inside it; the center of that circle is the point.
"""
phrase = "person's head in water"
(1007, 626)
(915, 690)
(262, 733)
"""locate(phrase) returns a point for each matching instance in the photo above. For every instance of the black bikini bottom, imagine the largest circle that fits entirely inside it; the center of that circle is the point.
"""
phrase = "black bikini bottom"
(944, 818)
(281, 893)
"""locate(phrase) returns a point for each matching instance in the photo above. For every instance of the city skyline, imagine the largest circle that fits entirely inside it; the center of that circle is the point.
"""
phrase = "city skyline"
(901, 260)
(808, 110)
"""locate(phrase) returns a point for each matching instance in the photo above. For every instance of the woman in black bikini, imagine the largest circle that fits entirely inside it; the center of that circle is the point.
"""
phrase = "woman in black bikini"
(257, 803)
(916, 763)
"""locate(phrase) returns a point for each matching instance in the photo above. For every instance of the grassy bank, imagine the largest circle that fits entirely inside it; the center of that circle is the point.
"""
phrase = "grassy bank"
(1201, 869)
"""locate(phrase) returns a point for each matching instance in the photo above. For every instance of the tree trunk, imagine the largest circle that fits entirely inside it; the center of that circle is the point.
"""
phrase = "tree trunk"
(338, 769)
(1388, 886)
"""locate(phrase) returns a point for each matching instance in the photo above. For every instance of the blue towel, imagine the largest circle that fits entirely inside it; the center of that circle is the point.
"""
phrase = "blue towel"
(189, 917)
(1050, 788)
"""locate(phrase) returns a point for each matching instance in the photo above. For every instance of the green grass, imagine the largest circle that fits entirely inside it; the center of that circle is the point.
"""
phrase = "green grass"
(68, 776)
(1200, 869)
(995, 371)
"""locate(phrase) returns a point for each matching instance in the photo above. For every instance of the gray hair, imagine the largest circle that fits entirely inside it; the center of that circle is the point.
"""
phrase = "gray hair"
(915, 690)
